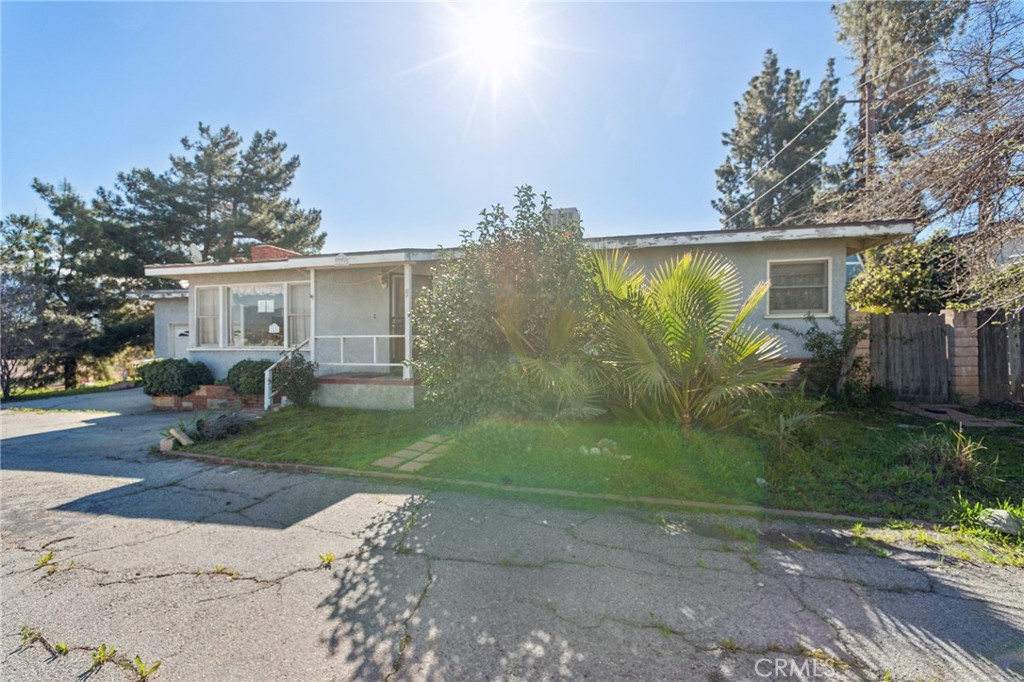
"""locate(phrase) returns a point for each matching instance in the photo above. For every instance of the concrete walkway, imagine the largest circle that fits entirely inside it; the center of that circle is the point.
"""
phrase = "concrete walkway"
(416, 456)
(216, 570)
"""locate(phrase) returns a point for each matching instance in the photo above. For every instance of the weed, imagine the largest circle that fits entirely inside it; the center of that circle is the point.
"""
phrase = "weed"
(102, 655)
(960, 461)
(327, 560)
(71, 564)
(30, 636)
(784, 420)
(822, 656)
(753, 561)
(61, 648)
(858, 530)
(142, 670)
(729, 644)
(950, 454)
(45, 559)
(223, 570)
(53, 568)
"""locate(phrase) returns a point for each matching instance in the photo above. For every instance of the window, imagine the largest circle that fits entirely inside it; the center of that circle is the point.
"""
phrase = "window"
(299, 304)
(257, 315)
(207, 316)
(798, 287)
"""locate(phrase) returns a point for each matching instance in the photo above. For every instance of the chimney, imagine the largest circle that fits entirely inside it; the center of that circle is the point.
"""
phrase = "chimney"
(261, 252)
(563, 216)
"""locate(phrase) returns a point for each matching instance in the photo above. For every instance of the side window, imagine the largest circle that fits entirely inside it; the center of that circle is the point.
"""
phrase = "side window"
(207, 316)
(798, 287)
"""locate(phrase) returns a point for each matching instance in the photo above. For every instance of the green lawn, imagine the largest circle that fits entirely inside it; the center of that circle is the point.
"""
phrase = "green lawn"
(49, 392)
(849, 463)
(324, 436)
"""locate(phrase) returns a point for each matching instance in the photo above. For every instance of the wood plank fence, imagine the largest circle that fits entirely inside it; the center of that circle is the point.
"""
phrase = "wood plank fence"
(968, 356)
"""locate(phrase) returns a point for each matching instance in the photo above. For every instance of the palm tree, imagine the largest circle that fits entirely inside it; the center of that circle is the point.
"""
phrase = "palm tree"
(675, 342)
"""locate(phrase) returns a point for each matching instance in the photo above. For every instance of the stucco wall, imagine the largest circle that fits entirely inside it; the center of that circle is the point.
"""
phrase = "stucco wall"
(165, 313)
(751, 260)
(353, 302)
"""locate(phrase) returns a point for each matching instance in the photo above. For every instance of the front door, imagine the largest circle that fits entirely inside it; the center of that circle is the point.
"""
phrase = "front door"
(397, 315)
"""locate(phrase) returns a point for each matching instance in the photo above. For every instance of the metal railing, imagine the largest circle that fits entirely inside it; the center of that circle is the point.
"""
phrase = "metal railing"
(375, 338)
(268, 375)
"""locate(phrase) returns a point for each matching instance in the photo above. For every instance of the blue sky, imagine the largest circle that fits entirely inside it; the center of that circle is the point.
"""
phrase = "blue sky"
(616, 109)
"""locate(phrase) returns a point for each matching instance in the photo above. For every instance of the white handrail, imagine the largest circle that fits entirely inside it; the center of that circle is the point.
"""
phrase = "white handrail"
(268, 375)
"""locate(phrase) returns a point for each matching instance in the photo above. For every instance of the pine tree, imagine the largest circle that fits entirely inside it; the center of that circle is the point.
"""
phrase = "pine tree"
(893, 44)
(221, 195)
(70, 273)
(774, 168)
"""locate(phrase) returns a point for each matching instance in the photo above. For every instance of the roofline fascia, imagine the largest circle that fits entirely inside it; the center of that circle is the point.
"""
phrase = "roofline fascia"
(870, 234)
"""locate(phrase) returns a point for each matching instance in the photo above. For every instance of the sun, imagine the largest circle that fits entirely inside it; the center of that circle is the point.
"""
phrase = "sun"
(495, 40)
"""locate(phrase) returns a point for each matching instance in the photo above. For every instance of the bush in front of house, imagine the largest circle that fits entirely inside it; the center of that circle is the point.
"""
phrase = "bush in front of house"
(295, 376)
(174, 377)
(501, 329)
(246, 376)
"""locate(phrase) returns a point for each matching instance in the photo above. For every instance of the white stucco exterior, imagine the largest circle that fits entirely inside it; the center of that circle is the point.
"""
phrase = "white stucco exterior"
(361, 296)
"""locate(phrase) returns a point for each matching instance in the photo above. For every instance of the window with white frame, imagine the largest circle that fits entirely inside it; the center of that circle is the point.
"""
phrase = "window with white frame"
(799, 287)
(207, 316)
(299, 306)
(253, 315)
(256, 315)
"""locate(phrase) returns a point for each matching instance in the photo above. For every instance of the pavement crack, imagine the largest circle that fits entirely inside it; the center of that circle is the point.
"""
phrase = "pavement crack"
(406, 639)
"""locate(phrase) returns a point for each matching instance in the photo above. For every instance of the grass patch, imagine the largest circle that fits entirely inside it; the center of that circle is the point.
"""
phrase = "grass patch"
(648, 461)
(853, 462)
(49, 392)
(324, 436)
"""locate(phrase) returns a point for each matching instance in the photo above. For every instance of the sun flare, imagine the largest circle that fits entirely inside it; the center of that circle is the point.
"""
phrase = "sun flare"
(495, 40)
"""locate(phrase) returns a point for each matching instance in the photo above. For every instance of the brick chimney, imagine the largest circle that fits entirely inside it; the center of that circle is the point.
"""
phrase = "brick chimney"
(261, 252)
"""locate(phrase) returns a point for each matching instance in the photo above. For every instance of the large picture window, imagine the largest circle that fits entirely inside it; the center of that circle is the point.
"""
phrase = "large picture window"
(257, 315)
(798, 287)
(253, 315)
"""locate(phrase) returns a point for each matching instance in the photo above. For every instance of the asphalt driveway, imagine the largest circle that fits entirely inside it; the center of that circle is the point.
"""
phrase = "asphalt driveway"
(216, 572)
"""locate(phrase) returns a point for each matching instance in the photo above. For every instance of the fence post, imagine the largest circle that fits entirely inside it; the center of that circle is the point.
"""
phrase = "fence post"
(962, 351)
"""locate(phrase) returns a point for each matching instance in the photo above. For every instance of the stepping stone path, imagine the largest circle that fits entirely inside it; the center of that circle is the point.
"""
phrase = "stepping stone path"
(417, 455)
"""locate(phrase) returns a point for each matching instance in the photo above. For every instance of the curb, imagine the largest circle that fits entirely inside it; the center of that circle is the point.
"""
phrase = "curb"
(292, 468)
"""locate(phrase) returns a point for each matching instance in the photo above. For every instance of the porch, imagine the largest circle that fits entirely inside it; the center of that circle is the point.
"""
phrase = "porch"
(362, 337)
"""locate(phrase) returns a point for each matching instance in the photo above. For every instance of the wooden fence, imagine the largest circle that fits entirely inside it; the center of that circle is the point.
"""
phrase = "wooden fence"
(969, 357)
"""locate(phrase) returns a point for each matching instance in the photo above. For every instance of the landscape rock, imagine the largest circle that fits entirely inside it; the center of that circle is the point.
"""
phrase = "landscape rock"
(1001, 520)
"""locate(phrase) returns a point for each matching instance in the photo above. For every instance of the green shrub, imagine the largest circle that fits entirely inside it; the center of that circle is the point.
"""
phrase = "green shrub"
(676, 341)
(784, 419)
(489, 341)
(174, 377)
(834, 369)
(950, 454)
(296, 378)
(246, 376)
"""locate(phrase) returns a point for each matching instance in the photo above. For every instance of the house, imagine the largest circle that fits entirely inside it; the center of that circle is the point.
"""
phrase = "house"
(350, 312)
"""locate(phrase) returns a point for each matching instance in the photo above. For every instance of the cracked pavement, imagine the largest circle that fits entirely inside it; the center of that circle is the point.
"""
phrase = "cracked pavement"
(216, 572)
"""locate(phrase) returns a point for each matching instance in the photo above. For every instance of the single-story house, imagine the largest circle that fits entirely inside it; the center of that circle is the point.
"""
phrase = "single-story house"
(350, 312)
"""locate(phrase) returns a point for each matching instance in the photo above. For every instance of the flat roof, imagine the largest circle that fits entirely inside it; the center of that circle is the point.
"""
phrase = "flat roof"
(858, 237)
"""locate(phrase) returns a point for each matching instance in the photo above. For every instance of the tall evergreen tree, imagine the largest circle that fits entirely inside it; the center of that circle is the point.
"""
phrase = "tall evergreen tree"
(774, 169)
(71, 272)
(221, 195)
(893, 45)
